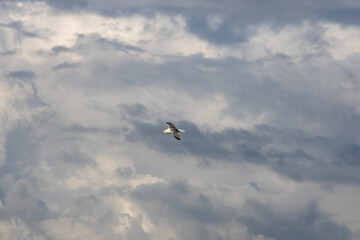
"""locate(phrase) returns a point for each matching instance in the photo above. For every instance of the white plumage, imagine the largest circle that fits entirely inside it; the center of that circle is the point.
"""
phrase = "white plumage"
(173, 130)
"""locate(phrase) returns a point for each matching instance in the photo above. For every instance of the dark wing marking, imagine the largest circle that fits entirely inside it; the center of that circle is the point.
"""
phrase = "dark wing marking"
(177, 136)
(172, 127)
(170, 124)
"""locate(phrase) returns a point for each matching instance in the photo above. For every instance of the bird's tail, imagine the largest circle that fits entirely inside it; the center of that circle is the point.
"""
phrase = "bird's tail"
(181, 130)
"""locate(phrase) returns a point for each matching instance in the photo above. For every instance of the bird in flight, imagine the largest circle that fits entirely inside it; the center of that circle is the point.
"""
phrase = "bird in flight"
(173, 130)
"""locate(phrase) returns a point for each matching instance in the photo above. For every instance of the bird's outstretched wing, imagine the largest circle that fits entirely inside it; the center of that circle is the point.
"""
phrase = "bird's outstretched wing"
(170, 125)
(176, 135)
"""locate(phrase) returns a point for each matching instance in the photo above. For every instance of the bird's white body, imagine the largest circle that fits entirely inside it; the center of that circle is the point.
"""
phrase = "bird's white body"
(168, 131)
(173, 130)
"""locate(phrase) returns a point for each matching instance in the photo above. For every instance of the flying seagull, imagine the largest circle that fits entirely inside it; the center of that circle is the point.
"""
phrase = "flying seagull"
(173, 130)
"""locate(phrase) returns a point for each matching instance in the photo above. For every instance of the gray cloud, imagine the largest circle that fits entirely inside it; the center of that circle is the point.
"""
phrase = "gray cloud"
(119, 46)
(68, 4)
(308, 224)
(285, 143)
(19, 26)
(9, 53)
(17, 137)
(349, 155)
(21, 202)
(178, 202)
(312, 159)
(346, 16)
(236, 16)
(65, 65)
(60, 49)
(292, 106)
(271, 148)
(24, 74)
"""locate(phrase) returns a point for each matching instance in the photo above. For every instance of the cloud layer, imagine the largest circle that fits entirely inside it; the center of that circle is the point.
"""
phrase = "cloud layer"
(268, 94)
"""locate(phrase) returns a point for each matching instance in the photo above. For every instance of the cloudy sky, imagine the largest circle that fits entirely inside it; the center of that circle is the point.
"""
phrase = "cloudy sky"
(267, 91)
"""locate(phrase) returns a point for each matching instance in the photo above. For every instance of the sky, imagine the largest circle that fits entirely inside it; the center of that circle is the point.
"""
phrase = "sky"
(267, 91)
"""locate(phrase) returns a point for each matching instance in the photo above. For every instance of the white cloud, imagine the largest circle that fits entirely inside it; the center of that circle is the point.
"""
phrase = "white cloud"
(339, 203)
(343, 41)
(15, 228)
(66, 159)
(68, 229)
(159, 35)
(301, 40)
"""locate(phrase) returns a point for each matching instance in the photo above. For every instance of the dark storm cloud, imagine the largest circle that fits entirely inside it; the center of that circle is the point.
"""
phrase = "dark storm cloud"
(23, 74)
(310, 223)
(180, 202)
(22, 149)
(247, 90)
(174, 73)
(19, 148)
(229, 145)
(119, 46)
(8, 53)
(224, 34)
(19, 26)
(21, 201)
(289, 106)
(65, 65)
(60, 49)
(293, 106)
(349, 155)
(293, 153)
(174, 196)
(236, 16)
(194, 142)
(71, 5)
(97, 73)
(100, 42)
(346, 16)
(310, 131)
(19, 196)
